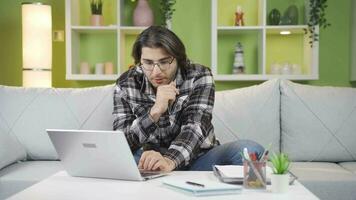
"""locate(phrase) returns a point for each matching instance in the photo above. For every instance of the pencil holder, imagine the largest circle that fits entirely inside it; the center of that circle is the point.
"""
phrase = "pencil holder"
(254, 174)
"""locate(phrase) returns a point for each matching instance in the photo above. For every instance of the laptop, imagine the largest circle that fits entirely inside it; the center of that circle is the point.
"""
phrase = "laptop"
(97, 154)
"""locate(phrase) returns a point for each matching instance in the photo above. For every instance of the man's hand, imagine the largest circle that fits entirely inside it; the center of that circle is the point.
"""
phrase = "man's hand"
(153, 160)
(165, 94)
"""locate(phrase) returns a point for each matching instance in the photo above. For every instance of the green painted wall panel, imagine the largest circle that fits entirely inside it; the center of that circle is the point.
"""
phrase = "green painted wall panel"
(226, 51)
(98, 48)
(192, 23)
(278, 50)
(227, 9)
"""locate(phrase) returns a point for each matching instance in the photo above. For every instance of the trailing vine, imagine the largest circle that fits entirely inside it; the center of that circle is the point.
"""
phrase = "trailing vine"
(316, 18)
(167, 10)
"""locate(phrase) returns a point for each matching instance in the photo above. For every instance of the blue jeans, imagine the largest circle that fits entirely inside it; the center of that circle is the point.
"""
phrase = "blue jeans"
(226, 154)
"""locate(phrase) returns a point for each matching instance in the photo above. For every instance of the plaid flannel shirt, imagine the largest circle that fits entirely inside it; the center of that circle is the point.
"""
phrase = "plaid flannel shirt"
(184, 130)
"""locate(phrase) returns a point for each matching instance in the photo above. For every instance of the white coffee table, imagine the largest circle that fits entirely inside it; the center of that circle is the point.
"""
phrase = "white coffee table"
(62, 186)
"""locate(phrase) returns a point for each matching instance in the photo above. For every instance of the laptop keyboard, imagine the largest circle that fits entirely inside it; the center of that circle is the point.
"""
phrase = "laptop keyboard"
(149, 173)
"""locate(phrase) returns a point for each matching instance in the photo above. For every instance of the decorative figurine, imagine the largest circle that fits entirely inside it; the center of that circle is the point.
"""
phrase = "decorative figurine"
(239, 17)
(239, 66)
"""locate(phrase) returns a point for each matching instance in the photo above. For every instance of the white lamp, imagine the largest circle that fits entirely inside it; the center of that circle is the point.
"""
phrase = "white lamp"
(36, 45)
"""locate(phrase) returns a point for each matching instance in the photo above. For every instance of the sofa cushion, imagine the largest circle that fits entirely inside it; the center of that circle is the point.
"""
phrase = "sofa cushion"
(249, 113)
(30, 111)
(326, 180)
(318, 123)
(10, 149)
(19, 176)
(351, 166)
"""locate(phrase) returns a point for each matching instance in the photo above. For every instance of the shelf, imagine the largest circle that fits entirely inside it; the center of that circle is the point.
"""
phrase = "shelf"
(298, 29)
(251, 41)
(234, 29)
(260, 77)
(80, 12)
(252, 12)
(223, 28)
(96, 77)
(111, 42)
(94, 29)
(135, 30)
(282, 6)
(263, 44)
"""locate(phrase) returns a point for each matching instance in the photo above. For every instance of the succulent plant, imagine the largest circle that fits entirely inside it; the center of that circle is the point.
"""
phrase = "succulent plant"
(280, 163)
(96, 7)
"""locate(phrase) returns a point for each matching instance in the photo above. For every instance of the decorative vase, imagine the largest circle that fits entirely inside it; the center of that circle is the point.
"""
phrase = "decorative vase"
(280, 183)
(290, 16)
(99, 68)
(96, 20)
(143, 14)
(274, 17)
(84, 68)
(108, 68)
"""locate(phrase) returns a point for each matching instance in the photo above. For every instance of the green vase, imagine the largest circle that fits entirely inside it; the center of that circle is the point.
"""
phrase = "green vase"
(290, 16)
(274, 17)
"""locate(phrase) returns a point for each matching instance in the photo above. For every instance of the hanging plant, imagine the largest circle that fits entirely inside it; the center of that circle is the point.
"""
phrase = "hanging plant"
(316, 18)
(167, 11)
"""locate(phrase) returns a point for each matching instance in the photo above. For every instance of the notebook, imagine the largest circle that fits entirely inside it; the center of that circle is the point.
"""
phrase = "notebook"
(202, 188)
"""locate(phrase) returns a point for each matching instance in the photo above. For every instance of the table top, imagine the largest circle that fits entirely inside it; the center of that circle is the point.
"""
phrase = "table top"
(63, 186)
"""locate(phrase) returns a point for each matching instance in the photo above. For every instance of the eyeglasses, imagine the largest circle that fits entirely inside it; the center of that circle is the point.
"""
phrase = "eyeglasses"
(163, 65)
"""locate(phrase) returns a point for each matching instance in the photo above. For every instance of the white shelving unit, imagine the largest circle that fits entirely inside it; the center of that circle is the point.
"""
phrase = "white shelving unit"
(263, 34)
(77, 32)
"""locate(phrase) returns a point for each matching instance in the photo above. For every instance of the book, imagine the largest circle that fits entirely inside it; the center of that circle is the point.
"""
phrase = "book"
(202, 188)
(234, 174)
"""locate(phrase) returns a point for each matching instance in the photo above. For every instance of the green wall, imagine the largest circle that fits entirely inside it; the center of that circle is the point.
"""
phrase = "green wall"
(191, 21)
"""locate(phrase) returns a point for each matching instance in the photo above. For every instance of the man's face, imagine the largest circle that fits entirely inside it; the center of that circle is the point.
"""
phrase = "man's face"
(159, 67)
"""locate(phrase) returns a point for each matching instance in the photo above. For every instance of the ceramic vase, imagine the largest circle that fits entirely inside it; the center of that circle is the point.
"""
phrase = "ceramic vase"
(280, 183)
(96, 20)
(143, 14)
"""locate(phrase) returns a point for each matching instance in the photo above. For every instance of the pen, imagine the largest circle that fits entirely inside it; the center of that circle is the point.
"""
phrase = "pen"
(195, 184)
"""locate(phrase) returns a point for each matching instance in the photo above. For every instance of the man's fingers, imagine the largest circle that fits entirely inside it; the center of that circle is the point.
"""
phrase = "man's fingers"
(174, 85)
(152, 162)
(143, 159)
(158, 165)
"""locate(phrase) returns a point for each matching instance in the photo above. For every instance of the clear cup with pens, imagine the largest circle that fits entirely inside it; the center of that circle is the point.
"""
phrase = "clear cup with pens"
(254, 170)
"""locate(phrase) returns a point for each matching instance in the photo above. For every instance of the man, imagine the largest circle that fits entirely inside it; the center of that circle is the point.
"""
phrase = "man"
(164, 106)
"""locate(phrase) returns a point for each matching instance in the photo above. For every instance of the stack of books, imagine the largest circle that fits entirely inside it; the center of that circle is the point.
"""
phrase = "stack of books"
(233, 174)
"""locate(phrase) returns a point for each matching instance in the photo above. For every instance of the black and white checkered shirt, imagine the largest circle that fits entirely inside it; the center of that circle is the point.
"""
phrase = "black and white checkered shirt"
(185, 130)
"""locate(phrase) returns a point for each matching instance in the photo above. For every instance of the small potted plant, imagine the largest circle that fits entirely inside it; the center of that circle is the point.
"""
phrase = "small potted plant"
(96, 18)
(280, 177)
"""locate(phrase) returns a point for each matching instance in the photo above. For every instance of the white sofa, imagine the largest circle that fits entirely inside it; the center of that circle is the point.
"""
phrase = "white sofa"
(316, 126)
